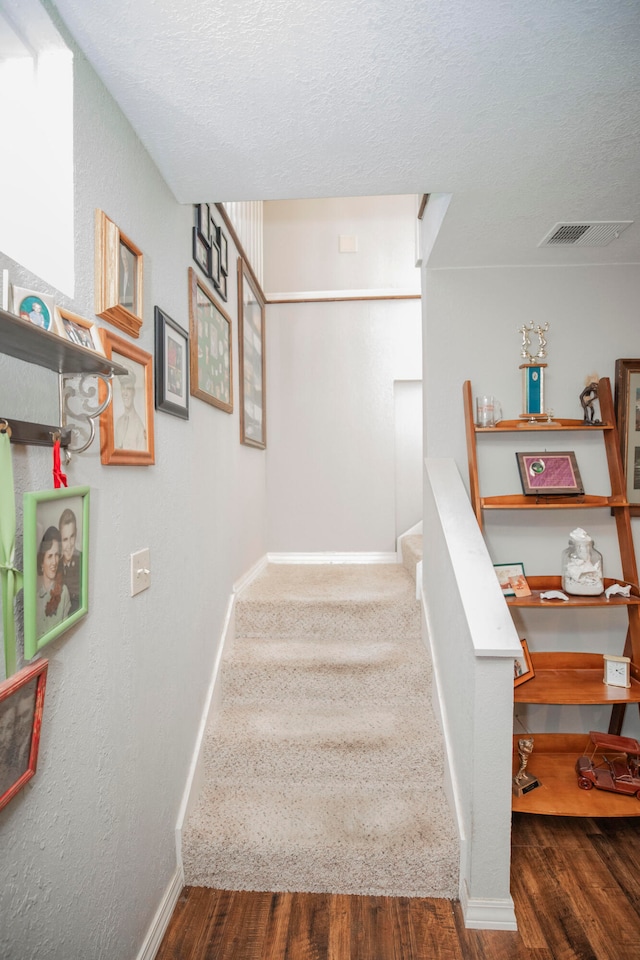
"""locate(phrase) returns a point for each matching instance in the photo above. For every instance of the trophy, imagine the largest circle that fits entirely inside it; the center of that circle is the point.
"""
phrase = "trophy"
(524, 782)
(533, 371)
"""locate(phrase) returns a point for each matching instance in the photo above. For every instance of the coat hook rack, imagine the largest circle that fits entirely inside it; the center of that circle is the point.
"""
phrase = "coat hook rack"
(38, 434)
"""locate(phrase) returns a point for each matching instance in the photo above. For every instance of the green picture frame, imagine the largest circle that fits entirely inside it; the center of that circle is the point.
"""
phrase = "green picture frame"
(55, 564)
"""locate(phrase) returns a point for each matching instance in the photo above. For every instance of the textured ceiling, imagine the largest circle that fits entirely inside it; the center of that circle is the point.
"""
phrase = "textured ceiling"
(527, 113)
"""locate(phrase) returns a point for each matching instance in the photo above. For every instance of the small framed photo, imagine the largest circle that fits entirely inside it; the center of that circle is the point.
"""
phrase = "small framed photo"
(34, 307)
(523, 666)
(172, 366)
(627, 406)
(550, 474)
(224, 253)
(251, 336)
(223, 288)
(203, 222)
(82, 332)
(21, 708)
(506, 572)
(56, 559)
(215, 264)
(118, 280)
(210, 349)
(201, 252)
(126, 425)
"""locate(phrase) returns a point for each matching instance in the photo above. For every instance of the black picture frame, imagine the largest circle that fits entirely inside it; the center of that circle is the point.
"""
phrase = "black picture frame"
(548, 474)
(172, 366)
(201, 251)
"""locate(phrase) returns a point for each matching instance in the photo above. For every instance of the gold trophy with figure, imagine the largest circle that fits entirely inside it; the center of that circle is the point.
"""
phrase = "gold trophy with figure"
(524, 782)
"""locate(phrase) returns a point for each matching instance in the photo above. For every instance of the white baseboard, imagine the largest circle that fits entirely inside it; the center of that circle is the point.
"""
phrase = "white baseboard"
(160, 922)
(250, 574)
(194, 778)
(327, 557)
(487, 914)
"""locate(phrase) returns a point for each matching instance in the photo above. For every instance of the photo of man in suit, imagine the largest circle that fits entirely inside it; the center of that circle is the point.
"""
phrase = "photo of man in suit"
(71, 558)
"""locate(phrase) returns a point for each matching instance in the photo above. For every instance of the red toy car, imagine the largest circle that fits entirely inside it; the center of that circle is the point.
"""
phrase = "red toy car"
(619, 772)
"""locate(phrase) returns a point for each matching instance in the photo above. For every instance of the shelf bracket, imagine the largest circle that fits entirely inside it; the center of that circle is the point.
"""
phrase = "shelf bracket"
(80, 407)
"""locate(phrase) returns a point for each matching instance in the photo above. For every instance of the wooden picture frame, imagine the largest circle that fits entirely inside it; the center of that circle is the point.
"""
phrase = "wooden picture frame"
(119, 277)
(56, 564)
(34, 307)
(211, 348)
(172, 366)
(504, 573)
(627, 407)
(126, 425)
(523, 667)
(21, 709)
(77, 330)
(251, 340)
(550, 474)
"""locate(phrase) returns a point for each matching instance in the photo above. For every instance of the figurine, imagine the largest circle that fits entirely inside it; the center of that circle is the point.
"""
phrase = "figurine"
(588, 397)
(619, 773)
(524, 782)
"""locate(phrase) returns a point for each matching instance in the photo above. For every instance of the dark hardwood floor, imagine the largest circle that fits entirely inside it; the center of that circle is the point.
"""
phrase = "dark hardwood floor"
(575, 884)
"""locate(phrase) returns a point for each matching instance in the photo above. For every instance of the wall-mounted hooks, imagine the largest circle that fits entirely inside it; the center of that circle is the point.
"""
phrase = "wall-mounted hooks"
(39, 434)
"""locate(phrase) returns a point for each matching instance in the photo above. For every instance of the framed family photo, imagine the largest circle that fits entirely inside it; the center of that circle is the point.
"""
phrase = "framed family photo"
(34, 307)
(56, 564)
(211, 370)
(627, 406)
(77, 330)
(172, 366)
(21, 708)
(118, 280)
(506, 573)
(126, 425)
(251, 339)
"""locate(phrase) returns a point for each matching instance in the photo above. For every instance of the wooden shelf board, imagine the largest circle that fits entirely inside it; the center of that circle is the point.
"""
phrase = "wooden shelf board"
(540, 585)
(553, 761)
(518, 501)
(542, 426)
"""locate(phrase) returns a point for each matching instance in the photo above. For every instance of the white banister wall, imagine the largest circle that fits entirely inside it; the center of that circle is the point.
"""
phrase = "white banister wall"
(473, 644)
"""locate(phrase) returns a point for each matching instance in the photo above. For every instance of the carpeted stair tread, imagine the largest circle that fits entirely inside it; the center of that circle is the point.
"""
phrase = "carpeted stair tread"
(411, 546)
(323, 763)
(325, 838)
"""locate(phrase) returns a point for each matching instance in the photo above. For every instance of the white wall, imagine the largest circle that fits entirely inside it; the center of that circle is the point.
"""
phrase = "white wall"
(88, 846)
(471, 321)
(332, 367)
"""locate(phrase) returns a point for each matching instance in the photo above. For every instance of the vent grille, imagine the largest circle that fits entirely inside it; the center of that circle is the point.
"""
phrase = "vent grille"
(598, 233)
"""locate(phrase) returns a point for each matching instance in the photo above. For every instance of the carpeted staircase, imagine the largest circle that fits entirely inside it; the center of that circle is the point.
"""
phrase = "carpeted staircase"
(323, 763)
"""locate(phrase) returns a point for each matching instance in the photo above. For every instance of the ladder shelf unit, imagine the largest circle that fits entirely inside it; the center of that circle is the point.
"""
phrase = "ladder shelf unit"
(564, 677)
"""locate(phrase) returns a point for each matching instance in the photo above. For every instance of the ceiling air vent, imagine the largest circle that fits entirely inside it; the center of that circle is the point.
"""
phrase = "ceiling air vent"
(598, 233)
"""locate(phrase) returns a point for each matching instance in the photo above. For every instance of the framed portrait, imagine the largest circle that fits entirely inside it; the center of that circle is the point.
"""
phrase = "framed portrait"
(77, 330)
(210, 348)
(126, 425)
(203, 221)
(222, 287)
(56, 564)
(21, 708)
(251, 338)
(118, 279)
(523, 666)
(627, 406)
(550, 474)
(215, 264)
(172, 366)
(201, 252)
(506, 572)
(224, 253)
(34, 307)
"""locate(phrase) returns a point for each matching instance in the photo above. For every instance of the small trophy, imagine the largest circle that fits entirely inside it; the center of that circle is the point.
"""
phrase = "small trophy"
(524, 782)
(533, 372)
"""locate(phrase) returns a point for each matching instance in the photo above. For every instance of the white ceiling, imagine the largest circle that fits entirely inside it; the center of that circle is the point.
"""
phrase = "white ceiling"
(528, 113)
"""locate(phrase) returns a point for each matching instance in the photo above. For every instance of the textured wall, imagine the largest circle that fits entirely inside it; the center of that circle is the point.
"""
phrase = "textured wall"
(88, 845)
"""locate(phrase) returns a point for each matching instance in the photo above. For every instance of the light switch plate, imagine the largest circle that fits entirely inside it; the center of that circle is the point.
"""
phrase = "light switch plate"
(140, 571)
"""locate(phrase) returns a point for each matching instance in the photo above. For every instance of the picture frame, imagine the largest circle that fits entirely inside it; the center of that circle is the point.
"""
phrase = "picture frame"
(215, 265)
(34, 307)
(223, 287)
(523, 667)
(210, 348)
(203, 221)
(504, 573)
(56, 564)
(119, 277)
(126, 424)
(201, 252)
(251, 340)
(77, 330)
(21, 710)
(627, 411)
(550, 474)
(172, 366)
(224, 253)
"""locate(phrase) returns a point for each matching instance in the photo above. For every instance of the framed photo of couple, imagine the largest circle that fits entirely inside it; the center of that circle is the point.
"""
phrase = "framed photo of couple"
(56, 564)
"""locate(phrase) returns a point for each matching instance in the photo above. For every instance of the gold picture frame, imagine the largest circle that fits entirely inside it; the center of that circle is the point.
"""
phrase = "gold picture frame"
(118, 280)
(126, 425)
